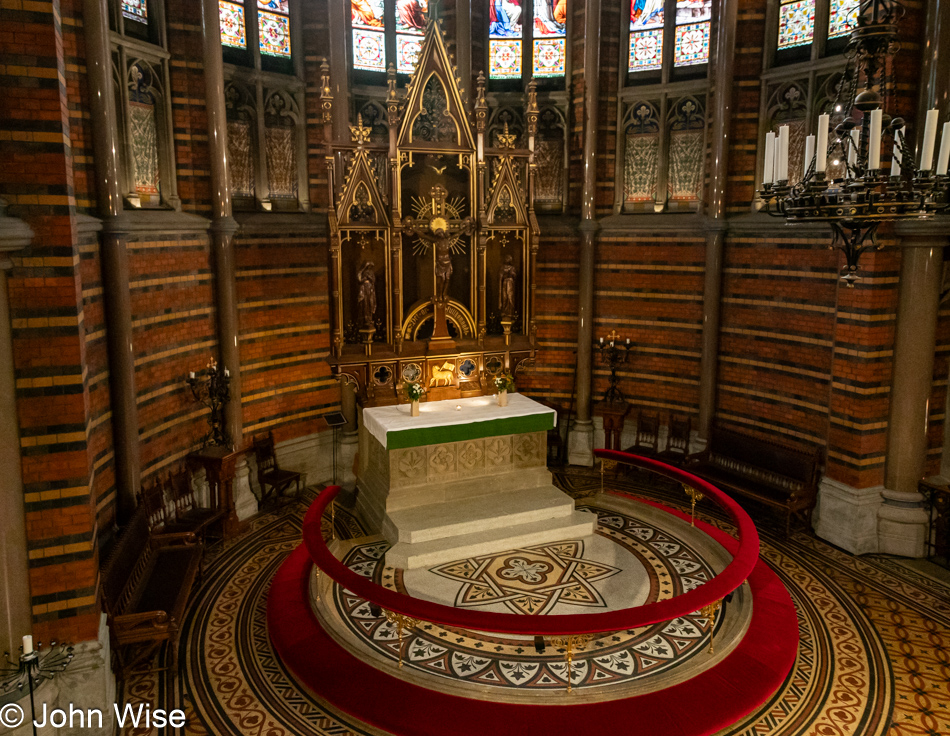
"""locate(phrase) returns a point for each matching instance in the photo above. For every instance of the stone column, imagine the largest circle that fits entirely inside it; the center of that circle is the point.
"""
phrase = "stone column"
(463, 47)
(903, 524)
(114, 257)
(223, 225)
(339, 69)
(16, 617)
(223, 228)
(581, 436)
(721, 74)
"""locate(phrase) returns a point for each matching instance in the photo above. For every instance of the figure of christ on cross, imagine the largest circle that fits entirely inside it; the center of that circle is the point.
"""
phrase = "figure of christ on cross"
(442, 236)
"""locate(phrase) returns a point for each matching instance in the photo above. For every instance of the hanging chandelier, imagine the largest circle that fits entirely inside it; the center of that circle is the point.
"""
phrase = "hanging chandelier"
(867, 194)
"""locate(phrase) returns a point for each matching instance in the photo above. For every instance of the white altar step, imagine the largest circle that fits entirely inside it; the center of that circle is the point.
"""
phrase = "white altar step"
(431, 535)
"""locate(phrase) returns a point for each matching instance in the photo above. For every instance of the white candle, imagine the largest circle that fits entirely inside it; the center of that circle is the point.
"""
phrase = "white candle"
(898, 154)
(874, 141)
(821, 161)
(191, 375)
(601, 341)
(611, 343)
(943, 160)
(809, 152)
(226, 372)
(768, 176)
(531, 143)
(27, 644)
(481, 147)
(628, 341)
(930, 138)
(853, 149)
(783, 153)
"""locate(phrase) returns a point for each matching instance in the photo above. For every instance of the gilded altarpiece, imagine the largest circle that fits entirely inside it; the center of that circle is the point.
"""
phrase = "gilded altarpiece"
(433, 247)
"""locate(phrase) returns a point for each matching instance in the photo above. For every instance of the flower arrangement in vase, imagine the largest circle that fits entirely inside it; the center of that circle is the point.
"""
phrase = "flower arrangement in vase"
(414, 392)
(504, 382)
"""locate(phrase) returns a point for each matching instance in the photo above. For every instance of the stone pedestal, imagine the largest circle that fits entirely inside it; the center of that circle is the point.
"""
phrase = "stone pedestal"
(580, 443)
(848, 517)
(903, 524)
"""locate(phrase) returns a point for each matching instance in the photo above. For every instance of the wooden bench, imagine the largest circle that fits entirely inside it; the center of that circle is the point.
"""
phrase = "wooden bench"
(774, 474)
(145, 586)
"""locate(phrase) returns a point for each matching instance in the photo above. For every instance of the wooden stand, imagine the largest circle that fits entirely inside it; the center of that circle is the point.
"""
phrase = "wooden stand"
(219, 464)
(614, 415)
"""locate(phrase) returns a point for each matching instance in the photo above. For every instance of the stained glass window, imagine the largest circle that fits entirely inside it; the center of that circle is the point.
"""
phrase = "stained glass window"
(277, 6)
(231, 19)
(796, 23)
(410, 27)
(646, 35)
(275, 33)
(504, 34)
(135, 10)
(369, 35)
(550, 38)
(843, 17)
(691, 40)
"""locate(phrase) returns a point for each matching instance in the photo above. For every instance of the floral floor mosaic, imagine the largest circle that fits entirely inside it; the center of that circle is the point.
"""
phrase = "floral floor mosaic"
(874, 655)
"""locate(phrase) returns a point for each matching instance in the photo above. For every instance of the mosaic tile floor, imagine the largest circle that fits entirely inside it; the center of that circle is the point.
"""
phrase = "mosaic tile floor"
(874, 655)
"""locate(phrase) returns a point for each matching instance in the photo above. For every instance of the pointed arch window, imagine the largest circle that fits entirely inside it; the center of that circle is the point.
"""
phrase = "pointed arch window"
(527, 38)
(387, 31)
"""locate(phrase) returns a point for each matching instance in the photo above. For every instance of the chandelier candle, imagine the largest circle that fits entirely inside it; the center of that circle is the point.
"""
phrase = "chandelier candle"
(809, 150)
(943, 160)
(783, 153)
(930, 138)
(821, 161)
(898, 152)
(874, 141)
(768, 176)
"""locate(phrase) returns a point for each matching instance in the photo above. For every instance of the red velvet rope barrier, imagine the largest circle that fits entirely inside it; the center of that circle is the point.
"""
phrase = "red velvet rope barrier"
(720, 586)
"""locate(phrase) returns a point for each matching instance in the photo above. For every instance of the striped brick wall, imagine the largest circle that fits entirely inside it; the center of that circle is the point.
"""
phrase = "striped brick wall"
(173, 333)
(48, 321)
(284, 317)
(552, 375)
(648, 287)
(777, 336)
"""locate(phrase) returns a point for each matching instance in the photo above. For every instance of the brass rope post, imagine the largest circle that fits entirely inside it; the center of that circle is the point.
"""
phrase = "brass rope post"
(694, 496)
(402, 622)
(578, 641)
(710, 613)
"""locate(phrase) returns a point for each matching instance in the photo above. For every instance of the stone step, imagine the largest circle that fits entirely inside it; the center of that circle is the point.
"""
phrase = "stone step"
(472, 515)
(407, 556)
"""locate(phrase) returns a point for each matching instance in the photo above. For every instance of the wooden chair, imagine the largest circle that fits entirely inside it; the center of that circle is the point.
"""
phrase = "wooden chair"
(269, 473)
(647, 438)
(188, 512)
(677, 439)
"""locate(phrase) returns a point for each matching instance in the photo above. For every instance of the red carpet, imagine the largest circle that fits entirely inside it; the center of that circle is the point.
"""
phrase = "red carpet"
(721, 695)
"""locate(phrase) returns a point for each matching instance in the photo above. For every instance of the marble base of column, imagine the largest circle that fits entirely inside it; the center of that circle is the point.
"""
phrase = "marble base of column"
(903, 525)
(580, 443)
(245, 502)
(88, 683)
(848, 517)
